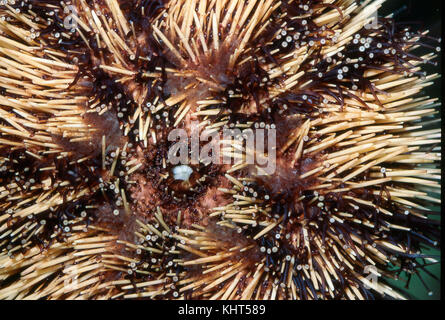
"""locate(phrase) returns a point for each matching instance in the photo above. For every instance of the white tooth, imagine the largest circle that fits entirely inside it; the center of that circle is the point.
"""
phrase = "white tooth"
(182, 172)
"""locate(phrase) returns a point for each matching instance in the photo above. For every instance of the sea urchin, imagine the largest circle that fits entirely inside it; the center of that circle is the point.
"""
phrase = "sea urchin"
(93, 207)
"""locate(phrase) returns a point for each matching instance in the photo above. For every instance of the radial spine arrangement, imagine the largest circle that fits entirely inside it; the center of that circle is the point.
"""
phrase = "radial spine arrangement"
(91, 207)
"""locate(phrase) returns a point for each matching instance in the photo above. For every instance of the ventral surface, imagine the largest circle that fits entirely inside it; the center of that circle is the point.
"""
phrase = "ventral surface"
(96, 96)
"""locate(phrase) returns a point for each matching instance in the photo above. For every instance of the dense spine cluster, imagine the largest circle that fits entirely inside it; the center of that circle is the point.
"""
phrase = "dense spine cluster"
(91, 207)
